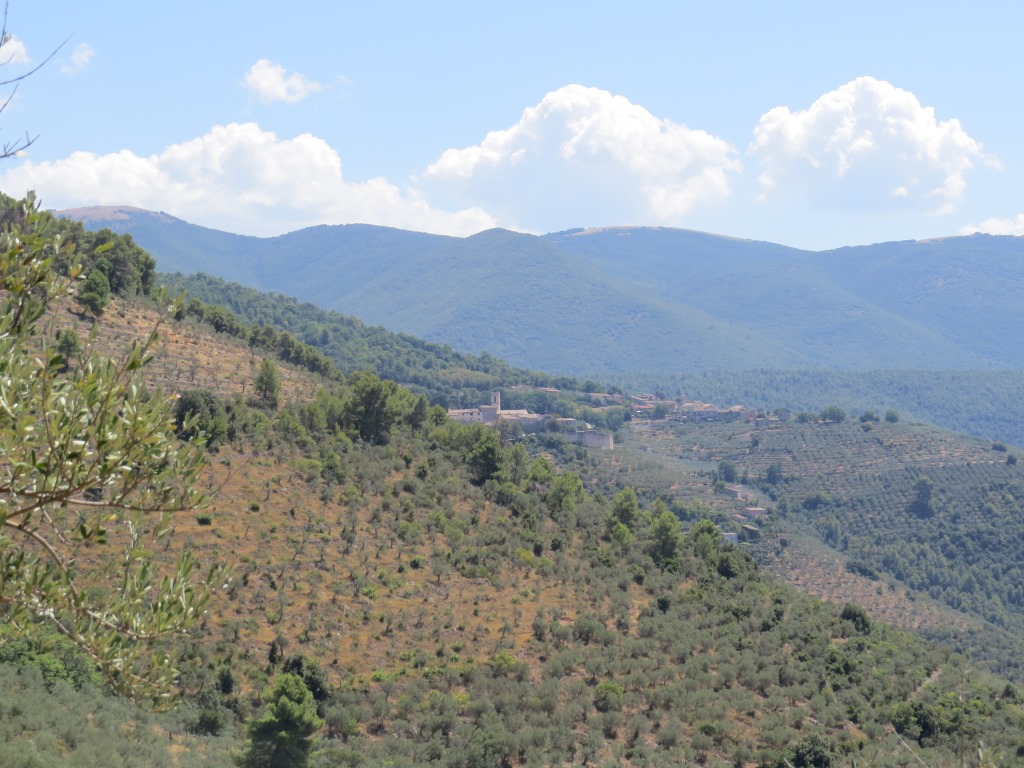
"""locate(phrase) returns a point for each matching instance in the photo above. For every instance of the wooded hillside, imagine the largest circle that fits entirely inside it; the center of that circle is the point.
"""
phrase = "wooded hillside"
(412, 591)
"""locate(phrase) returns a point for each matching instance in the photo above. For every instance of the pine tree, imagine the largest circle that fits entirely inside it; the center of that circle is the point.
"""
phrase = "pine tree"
(268, 385)
(282, 737)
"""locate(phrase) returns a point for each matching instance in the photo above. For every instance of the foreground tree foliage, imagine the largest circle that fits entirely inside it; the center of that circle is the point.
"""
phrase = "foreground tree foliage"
(86, 454)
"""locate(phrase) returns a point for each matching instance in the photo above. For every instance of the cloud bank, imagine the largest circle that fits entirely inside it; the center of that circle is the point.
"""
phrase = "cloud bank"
(583, 156)
(866, 146)
(580, 157)
(269, 82)
(241, 178)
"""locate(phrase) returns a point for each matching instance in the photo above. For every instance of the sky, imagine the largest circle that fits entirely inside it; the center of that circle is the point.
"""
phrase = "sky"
(811, 124)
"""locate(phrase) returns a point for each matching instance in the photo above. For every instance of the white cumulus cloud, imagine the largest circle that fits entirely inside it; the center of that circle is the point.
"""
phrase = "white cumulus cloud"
(81, 57)
(1014, 226)
(13, 51)
(269, 82)
(584, 156)
(866, 146)
(240, 178)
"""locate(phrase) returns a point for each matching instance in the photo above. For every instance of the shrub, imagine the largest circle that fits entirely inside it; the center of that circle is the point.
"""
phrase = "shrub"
(504, 664)
(857, 616)
(816, 500)
(833, 414)
(609, 696)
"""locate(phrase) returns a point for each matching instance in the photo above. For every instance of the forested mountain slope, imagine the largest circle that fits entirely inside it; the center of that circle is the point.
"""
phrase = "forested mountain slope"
(627, 299)
(799, 300)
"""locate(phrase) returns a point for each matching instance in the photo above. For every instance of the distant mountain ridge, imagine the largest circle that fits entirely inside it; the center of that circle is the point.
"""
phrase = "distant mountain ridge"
(615, 299)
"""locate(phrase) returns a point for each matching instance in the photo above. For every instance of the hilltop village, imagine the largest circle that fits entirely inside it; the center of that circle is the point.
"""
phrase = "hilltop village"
(642, 406)
(572, 430)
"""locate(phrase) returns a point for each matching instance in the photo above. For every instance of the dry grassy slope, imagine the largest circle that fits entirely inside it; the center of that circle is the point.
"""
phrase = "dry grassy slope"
(293, 577)
(360, 610)
(300, 558)
(186, 356)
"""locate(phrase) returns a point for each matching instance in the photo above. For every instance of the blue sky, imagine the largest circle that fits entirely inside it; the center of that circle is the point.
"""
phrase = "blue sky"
(810, 124)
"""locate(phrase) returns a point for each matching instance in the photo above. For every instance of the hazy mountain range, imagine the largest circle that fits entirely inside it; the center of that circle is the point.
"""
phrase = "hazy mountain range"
(632, 298)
